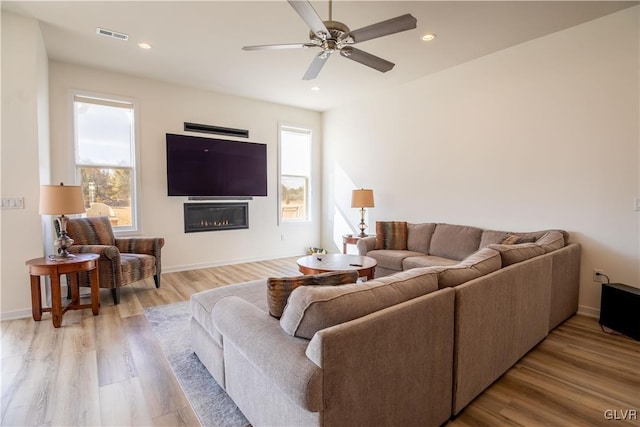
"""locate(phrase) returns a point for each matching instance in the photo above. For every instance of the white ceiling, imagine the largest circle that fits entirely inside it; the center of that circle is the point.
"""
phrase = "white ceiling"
(199, 43)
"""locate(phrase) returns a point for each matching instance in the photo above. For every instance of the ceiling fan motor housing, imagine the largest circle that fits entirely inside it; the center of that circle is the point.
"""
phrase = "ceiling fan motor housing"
(336, 38)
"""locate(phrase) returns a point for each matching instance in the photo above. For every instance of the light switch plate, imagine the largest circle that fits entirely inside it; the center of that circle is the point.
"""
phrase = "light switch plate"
(13, 203)
(637, 204)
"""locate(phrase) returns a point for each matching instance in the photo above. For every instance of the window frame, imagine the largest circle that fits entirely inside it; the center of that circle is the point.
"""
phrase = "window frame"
(306, 130)
(119, 102)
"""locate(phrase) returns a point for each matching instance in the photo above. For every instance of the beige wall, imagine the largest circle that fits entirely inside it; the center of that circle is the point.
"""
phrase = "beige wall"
(544, 134)
(164, 108)
(24, 156)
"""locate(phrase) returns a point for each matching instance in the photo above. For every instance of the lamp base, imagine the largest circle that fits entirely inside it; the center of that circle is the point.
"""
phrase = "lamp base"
(63, 242)
(62, 256)
(362, 226)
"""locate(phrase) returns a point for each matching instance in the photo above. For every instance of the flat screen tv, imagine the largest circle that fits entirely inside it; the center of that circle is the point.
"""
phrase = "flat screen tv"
(208, 167)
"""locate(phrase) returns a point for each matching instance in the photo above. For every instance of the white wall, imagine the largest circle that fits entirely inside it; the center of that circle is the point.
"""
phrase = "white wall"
(24, 155)
(541, 135)
(164, 108)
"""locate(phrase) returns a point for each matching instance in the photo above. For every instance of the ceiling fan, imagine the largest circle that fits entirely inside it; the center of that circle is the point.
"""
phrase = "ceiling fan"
(332, 36)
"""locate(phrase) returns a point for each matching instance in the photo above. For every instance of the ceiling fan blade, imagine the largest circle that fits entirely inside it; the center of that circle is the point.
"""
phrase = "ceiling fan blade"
(384, 28)
(367, 59)
(310, 17)
(279, 46)
(316, 65)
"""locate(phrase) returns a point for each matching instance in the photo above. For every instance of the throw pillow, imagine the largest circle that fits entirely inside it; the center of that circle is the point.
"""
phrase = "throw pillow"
(279, 289)
(511, 240)
(391, 235)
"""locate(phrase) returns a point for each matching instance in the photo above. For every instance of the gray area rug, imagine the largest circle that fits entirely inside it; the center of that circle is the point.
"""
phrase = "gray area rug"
(170, 324)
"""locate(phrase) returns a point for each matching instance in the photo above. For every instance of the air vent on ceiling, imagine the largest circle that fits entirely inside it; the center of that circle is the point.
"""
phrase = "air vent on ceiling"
(112, 34)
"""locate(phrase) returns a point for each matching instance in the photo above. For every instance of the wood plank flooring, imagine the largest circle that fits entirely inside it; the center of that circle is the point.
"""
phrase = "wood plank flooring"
(109, 369)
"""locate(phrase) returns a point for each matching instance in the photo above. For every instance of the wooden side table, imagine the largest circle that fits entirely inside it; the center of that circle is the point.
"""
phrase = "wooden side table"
(55, 268)
(350, 239)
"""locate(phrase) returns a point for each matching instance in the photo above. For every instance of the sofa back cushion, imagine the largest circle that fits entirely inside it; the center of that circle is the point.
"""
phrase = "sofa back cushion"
(478, 264)
(279, 289)
(490, 237)
(512, 254)
(313, 308)
(454, 241)
(419, 237)
(551, 241)
(391, 235)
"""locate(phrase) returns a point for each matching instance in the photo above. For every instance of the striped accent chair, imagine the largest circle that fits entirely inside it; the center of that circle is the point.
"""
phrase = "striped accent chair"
(122, 260)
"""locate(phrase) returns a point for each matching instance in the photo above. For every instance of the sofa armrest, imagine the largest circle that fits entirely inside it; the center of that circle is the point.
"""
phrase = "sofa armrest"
(362, 358)
(499, 317)
(366, 244)
(278, 356)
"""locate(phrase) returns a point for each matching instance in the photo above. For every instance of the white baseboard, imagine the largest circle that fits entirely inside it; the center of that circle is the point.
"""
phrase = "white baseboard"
(589, 311)
(187, 267)
(17, 314)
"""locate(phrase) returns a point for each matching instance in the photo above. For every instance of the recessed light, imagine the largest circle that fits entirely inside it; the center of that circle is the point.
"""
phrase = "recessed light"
(428, 37)
(315, 88)
(144, 45)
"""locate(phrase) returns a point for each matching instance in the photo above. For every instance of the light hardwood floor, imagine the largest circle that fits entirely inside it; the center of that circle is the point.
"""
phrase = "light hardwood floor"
(109, 369)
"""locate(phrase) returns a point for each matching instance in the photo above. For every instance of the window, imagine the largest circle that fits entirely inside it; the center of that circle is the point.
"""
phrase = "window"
(295, 173)
(105, 159)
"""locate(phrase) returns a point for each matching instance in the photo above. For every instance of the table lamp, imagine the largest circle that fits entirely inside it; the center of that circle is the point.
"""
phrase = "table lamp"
(60, 200)
(362, 198)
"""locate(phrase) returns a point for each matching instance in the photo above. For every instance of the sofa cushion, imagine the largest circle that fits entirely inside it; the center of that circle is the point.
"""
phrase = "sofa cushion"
(313, 308)
(497, 237)
(455, 241)
(419, 237)
(201, 303)
(426, 261)
(551, 241)
(512, 254)
(279, 289)
(391, 260)
(512, 239)
(478, 264)
(391, 235)
(494, 237)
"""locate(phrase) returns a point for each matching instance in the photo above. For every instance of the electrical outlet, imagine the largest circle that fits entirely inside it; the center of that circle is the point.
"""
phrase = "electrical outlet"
(598, 275)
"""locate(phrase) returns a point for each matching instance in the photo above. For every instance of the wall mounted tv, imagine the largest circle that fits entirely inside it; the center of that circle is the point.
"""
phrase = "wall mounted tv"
(207, 167)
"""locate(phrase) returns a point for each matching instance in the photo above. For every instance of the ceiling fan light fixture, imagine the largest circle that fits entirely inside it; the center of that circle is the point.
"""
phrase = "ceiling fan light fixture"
(315, 88)
(428, 37)
(144, 45)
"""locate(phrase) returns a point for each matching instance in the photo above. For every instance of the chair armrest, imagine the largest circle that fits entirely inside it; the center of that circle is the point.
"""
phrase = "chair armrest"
(140, 245)
(366, 244)
(105, 251)
(277, 355)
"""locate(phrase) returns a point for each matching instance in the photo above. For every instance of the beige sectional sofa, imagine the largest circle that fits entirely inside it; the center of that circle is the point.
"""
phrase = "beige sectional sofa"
(410, 348)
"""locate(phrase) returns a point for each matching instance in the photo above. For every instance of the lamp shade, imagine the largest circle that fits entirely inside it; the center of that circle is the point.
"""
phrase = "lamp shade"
(362, 198)
(61, 199)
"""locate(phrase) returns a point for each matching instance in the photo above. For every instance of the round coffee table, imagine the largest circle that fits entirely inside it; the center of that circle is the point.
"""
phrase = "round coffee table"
(315, 264)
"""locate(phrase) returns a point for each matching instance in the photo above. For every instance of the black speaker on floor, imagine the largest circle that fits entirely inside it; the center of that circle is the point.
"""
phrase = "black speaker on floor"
(620, 309)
